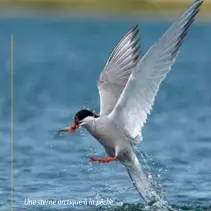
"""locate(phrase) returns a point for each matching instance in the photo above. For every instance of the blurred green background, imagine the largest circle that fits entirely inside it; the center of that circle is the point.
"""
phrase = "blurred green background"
(130, 7)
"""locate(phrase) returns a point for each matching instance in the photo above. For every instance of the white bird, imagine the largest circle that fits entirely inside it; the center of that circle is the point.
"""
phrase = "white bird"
(127, 87)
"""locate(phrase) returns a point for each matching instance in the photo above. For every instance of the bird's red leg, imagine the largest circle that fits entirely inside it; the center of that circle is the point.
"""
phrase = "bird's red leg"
(103, 160)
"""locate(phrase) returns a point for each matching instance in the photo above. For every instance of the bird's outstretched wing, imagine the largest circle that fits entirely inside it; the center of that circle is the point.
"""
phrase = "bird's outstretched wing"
(117, 70)
(137, 99)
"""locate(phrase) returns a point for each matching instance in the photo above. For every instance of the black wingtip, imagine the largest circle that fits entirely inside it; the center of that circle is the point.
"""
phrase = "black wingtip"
(135, 29)
(199, 2)
(187, 27)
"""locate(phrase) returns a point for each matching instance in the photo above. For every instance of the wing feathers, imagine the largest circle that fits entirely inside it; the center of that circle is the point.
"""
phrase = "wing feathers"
(137, 99)
(123, 45)
(118, 68)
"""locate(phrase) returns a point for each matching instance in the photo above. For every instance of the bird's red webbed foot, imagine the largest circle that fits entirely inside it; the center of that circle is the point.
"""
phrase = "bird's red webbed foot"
(103, 160)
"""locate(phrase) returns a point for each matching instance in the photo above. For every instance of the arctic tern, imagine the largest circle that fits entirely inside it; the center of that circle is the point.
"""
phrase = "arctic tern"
(127, 87)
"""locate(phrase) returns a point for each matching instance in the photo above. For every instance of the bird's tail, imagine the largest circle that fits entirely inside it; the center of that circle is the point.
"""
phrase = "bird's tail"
(143, 183)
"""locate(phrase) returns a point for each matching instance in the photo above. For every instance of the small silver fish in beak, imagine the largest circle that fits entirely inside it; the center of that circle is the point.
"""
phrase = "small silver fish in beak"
(71, 129)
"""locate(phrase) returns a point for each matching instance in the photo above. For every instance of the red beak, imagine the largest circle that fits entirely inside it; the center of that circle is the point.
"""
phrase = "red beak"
(73, 127)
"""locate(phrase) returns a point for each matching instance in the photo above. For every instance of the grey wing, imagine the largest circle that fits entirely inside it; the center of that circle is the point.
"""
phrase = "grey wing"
(117, 70)
(138, 97)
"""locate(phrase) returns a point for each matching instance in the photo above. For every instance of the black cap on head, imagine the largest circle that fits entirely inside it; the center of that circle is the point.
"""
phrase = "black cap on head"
(83, 114)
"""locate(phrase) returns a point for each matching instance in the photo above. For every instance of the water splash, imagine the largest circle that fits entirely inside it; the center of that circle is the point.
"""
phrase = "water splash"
(161, 205)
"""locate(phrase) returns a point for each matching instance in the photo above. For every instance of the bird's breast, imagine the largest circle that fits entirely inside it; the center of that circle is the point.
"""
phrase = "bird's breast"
(107, 133)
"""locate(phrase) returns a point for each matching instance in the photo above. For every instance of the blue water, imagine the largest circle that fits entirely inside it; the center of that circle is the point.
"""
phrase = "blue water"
(57, 64)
